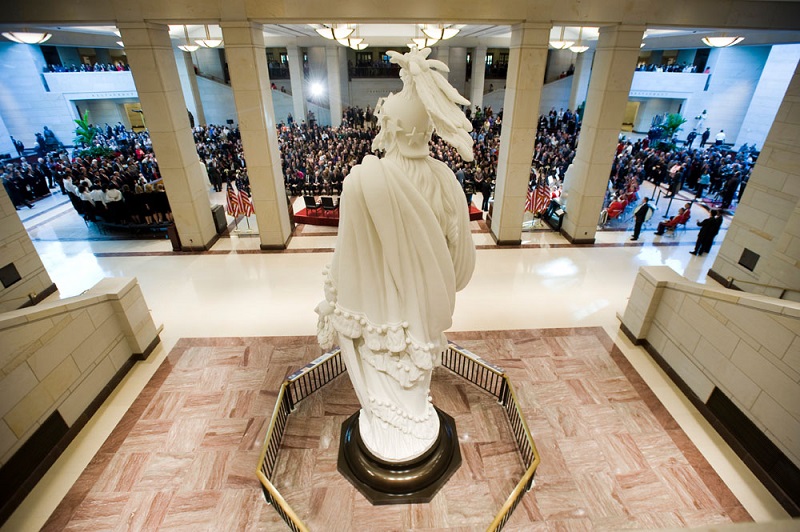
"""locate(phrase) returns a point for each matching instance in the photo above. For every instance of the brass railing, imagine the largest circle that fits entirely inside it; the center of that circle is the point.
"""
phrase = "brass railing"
(326, 368)
(494, 380)
(294, 389)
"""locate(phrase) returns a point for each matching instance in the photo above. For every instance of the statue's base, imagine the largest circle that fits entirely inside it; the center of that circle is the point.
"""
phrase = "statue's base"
(413, 482)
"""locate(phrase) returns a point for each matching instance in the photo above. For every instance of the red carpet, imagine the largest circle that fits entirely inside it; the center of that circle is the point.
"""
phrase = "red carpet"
(331, 218)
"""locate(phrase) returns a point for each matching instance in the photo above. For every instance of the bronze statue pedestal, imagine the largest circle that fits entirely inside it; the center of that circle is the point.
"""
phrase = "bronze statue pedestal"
(412, 482)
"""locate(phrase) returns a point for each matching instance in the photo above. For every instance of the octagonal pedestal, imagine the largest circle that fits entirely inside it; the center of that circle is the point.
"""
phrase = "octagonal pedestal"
(411, 482)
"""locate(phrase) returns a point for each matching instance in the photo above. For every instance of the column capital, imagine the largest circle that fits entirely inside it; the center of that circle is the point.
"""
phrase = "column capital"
(144, 35)
(240, 24)
(620, 37)
(530, 35)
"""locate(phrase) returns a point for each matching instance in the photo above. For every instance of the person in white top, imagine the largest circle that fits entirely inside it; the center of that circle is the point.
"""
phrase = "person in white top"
(113, 194)
(720, 138)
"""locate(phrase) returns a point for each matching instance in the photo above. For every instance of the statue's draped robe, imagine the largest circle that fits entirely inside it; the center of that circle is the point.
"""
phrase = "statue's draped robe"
(404, 249)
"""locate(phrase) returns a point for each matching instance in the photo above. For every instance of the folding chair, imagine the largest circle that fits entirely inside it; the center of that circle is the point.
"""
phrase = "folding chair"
(311, 204)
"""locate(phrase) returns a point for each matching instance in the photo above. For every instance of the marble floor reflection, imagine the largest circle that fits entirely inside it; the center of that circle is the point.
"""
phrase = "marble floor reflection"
(612, 457)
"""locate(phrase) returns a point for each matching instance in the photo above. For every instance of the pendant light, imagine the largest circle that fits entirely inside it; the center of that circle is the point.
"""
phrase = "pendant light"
(187, 46)
(561, 44)
(208, 42)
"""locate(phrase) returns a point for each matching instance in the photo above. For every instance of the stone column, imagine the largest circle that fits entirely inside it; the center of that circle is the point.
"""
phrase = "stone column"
(334, 84)
(458, 68)
(296, 81)
(580, 79)
(587, 178)
(68, 55)
(478, 74)
(344, 77)
(766, 229)
(247, 65)
(155, 74)
(200, 115)
(442, 53)
(526, 63)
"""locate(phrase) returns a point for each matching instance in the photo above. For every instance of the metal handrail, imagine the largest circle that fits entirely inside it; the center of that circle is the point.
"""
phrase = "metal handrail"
(327, 367)
(522, 434)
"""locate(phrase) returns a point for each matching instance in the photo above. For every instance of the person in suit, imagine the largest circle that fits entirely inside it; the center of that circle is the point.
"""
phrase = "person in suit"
(704, 137)
(708, 230)
(642, 213)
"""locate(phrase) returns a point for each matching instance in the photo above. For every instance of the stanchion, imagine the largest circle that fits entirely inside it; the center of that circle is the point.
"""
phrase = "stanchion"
(666, 214)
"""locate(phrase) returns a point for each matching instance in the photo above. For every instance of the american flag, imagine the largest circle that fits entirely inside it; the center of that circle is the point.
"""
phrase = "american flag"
(538, 199)
(234, 206)
(246, 203)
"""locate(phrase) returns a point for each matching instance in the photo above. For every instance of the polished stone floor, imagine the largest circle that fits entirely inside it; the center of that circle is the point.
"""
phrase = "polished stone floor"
(185, 453)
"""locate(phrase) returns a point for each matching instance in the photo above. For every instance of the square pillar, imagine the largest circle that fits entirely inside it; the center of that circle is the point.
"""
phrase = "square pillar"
(247, 65)
(334, 84)
(587, 177)
(478, 75)
(580, 80)
(155, 73)
(296, 77)
(526, 63)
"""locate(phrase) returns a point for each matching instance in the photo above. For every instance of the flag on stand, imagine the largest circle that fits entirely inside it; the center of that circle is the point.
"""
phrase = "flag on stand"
(246, 203)
(529, 201)
(234, 207)
(541, 198)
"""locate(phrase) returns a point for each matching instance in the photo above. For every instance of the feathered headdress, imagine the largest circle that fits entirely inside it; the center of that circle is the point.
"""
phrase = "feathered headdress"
(421, 76)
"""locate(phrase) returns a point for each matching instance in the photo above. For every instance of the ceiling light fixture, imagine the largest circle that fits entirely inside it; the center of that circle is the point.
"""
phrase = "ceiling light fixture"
(335, 32)
(351, 41)
(424, 42)
(208, 42)
(721, 42)
(27, 37)
(561, 44)
(580, 47)
(187, 46)
(439, 32)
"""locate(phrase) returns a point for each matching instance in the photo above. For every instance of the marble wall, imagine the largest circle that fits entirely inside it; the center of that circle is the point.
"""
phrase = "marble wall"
(767, 220)
(746, 345)
(26, 104)
(768, 94)
(59, 356)
(16, 248)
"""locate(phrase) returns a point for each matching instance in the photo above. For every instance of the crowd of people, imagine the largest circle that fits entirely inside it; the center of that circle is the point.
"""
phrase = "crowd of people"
(315, 160)
(118, 66)
(716, 175)
(668, 67)
(124, 188)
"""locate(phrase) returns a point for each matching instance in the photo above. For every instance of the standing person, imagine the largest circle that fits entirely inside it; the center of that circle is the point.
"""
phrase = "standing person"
(704, 137)
(486, 190)
(703, 182)
(18, 145)
(719, 139)
(690, 139)
(642, 213)
(708, 230)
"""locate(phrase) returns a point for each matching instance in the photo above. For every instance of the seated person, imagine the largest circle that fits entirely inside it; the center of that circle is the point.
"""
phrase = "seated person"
(672, 222)
(616, 207)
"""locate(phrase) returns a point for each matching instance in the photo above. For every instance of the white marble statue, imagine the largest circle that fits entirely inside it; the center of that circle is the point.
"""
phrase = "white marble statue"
(404, 248)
